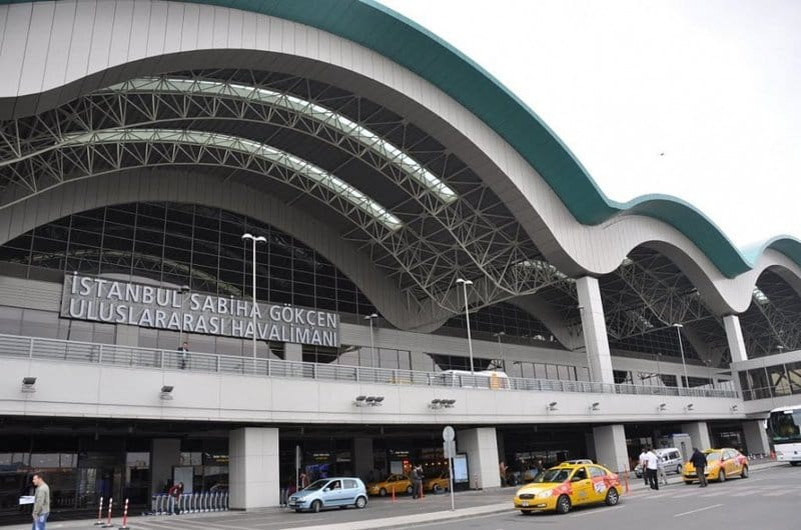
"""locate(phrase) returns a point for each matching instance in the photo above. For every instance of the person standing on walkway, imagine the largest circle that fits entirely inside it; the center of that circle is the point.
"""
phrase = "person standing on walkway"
(183, 351)
(651, 468)
(41, 503)
(643, 464)
(660, 465)
(698, 460)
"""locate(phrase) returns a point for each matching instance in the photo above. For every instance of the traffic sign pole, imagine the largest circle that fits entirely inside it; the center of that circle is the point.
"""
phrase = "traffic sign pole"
(449, 445)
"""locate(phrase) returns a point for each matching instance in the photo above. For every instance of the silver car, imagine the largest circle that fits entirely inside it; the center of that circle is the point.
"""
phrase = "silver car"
(330, 493)
(669, 458)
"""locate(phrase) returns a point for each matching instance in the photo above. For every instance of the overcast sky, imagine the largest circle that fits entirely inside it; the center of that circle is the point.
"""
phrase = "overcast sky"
(715, 85)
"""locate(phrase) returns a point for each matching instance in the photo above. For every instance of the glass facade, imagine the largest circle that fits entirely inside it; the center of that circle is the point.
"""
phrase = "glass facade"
(200, 247)
(772, 381)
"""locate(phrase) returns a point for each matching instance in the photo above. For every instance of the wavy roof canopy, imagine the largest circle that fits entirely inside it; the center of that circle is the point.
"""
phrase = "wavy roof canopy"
(408, 44)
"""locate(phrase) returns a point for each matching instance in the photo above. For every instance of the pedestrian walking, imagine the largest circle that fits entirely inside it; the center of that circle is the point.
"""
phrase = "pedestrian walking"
(303, 480)
(698, 460)
(41, 502)
(660, 466)
(651, 467)
(643, 464)
(183, 351)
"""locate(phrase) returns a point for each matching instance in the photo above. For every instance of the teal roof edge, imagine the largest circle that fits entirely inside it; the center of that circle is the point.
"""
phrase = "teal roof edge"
(405, 42)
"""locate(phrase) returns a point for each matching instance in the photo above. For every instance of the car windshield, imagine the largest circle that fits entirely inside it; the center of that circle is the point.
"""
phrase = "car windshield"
(318, 485)
(713, 457)
(553, 475)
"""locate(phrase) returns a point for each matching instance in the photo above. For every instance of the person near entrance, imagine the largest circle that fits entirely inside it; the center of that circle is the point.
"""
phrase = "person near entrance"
(643, 464)
(175, 498)
(417, 481)
(651, 468)
(699, 462)
(41, 503)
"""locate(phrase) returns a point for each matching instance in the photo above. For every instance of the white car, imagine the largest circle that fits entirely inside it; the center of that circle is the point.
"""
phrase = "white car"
(329, 493)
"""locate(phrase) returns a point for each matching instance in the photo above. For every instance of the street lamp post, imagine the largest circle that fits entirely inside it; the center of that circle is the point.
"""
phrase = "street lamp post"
(465, 283)
(658, 369)
(372, 317)
(681, 349)
(184, 290)
(500, 349)
(586, 346)
(708, 364)
(255, 239)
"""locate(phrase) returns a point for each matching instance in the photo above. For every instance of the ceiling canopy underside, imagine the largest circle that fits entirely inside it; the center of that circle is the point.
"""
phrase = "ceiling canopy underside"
(387, 185)
(378, 28)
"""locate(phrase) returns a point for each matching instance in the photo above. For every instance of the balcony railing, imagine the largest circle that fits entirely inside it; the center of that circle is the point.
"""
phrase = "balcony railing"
(116, 355)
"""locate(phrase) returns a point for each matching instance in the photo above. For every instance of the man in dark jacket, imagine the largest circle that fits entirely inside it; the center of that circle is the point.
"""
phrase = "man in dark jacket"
(698, 461)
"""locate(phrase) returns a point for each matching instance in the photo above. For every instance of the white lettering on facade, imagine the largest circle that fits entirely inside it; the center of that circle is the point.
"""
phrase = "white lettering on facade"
(117, 302)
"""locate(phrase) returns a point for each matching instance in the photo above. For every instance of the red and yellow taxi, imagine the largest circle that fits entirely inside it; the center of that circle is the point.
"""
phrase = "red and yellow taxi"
(720, 465)
(394, 482)
(437, 484)
(566, 485)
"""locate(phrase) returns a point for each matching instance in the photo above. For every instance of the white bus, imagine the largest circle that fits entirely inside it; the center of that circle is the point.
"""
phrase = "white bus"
(784, 430)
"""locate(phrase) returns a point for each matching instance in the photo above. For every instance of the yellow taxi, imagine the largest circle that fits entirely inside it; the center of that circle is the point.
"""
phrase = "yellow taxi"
(394, 482)
(720, 465)
(437, 484)
(566, 485)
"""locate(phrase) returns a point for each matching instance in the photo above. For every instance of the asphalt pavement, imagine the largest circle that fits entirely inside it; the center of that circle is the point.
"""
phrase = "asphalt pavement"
(403, 512)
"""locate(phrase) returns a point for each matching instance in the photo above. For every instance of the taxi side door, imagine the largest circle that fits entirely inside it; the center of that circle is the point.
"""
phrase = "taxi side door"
(729, 463)
(581, 484)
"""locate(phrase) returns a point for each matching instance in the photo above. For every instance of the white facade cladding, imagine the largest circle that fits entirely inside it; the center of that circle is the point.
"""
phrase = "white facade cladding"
(141, 140)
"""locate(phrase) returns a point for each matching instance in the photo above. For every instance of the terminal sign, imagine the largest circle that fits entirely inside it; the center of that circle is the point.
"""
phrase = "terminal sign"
(135, 304)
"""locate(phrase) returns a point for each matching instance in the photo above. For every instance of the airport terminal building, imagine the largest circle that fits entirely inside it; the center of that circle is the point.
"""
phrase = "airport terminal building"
(422, 251)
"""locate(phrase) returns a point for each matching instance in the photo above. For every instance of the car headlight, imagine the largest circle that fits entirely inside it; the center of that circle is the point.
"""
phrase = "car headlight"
(544, 494)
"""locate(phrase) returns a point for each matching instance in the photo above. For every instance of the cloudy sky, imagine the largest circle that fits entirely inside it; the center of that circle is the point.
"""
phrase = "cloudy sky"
(696, 99)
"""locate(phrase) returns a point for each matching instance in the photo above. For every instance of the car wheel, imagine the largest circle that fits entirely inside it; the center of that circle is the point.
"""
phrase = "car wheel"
(526, 512)
(563, 504)
(438, 488)
(361, 502)
(409, 490)
(678, 469)
(794, 463)
(688, 482)
(382, 492)
(722, 476)
(744, 474)
(612, 497)
(298, 510)
(316, 506)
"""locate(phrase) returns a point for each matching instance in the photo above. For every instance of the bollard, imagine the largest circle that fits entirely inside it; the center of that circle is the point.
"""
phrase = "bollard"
(110, 505)
(125, 517)
(100, 513)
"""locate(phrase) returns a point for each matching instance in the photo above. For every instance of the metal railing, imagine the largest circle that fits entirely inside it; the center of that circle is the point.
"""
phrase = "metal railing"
(116, 355)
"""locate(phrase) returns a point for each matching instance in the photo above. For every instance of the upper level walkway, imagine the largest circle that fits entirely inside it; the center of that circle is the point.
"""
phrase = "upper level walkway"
(156, 359)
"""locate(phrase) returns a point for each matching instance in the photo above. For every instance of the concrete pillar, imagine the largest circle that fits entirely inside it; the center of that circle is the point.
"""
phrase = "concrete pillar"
(593, 325)
(699, 434)
(165, 453)
(734, 336)
(610, 447)
(362, 457)
(253, 468)
(127, 335)
(589, 443)
(293, 352)
(756, 439)
(481, 446)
